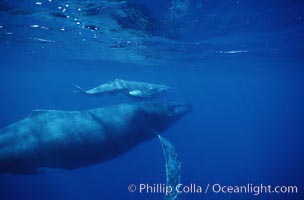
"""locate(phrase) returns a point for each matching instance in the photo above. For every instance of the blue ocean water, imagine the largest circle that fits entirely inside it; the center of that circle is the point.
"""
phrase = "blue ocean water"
(239, 63)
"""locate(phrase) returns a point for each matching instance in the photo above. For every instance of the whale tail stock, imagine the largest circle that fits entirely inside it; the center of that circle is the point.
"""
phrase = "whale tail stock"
(79, 89)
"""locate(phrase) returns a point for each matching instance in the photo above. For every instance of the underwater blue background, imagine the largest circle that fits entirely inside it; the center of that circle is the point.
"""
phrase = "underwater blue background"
(239, 63)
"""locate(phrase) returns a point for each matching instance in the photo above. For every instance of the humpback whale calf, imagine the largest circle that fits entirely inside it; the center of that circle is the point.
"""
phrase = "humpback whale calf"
(133, 89)
(75, 139)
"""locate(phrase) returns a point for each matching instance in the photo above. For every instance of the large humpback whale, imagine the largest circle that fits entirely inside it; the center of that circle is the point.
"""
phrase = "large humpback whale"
(75, 139)
(133, 89)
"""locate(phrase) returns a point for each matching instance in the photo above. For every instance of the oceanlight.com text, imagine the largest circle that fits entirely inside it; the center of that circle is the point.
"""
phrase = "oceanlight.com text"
(193, 188)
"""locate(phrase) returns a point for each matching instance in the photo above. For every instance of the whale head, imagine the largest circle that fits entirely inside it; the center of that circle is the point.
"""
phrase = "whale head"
(150, 91)
(159, 90)
(159, 116)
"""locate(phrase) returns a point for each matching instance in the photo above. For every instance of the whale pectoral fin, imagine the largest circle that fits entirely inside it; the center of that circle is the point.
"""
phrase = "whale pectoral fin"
(173, 167)
(135, 93)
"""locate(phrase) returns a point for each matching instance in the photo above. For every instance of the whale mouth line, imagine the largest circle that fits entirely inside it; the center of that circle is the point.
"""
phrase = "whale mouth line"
(181, 109)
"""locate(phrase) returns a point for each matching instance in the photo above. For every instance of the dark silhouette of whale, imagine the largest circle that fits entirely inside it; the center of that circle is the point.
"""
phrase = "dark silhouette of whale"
(75, 139)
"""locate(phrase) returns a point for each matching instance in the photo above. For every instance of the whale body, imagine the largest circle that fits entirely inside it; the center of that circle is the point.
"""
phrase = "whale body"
(133, 89)
(75, 139)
